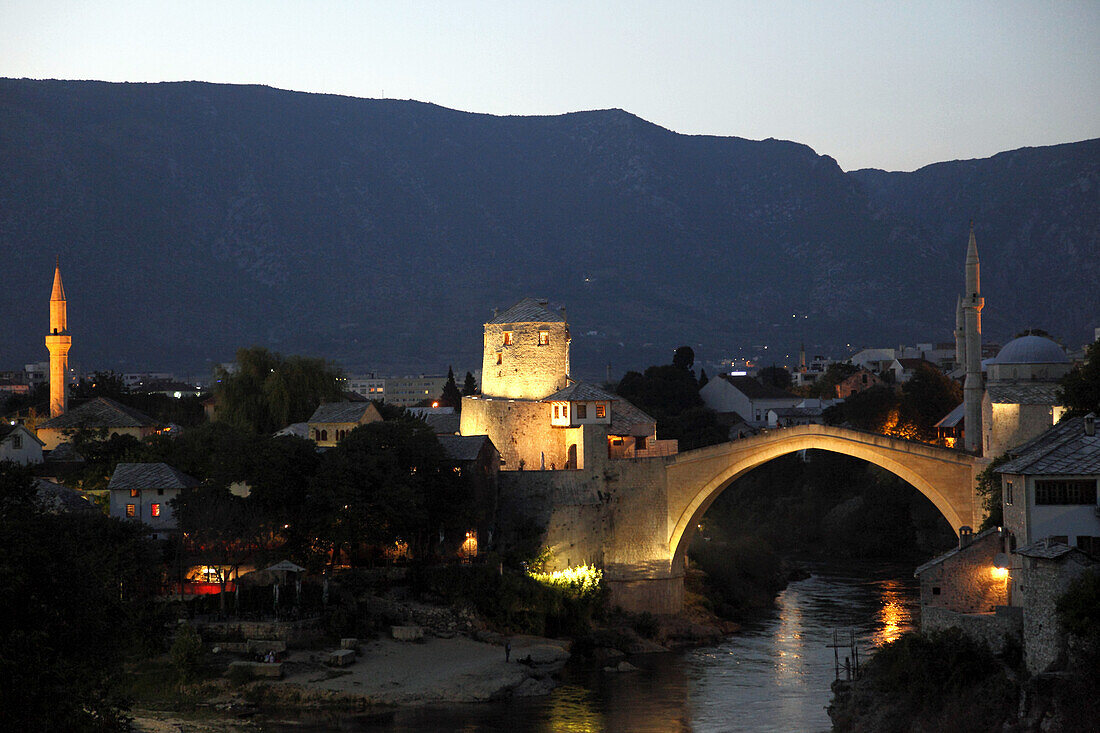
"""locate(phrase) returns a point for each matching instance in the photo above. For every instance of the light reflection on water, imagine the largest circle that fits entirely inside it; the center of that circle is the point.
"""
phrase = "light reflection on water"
(772, 676)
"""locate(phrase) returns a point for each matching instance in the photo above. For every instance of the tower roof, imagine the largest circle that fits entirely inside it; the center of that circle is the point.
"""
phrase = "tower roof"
(972, 247)
(58, 289)
(529, 310)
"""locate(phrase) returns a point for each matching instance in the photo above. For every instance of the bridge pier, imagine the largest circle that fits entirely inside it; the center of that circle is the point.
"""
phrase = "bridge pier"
(654, 595)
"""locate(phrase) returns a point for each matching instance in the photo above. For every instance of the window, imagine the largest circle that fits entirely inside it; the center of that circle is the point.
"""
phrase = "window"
(507, 338)
(1066, 491)
(557, 411)
(500, 358)
(601, 411)
(544, 338)
(324, 435)
(565, 410)
(154, 510)
(130, 510)
(160, 492)
(17, 442)
(1008, 492)
(935, 590)
(135, 492)
(582, 412)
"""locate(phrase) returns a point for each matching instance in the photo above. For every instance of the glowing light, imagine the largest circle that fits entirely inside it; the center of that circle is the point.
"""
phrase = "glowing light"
(999, 573)
(579, 581)
(435, 404)
(893, 617)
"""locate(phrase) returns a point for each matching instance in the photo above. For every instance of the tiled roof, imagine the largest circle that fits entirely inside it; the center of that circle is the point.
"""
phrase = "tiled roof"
(953, 418)
(298, 429)
(1046, 549)
(102, 412)
(337, 412)
(463, 447)
(796, 411)
(755, 390)
(529, 310)
(64, 453)
(60, 499)
(626, 419)
(951, 553)
(1065, 449)
(149, 476)
(1024, 393)
(443, 424)
(580, 392)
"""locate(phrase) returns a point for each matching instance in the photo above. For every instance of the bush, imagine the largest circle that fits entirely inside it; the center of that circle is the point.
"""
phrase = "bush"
(187, 653)
(1079, 607)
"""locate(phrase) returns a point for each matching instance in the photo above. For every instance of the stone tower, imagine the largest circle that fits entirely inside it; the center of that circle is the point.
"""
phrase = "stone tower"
(58, 342)
(972, 310)
(960, 335)
(526, 352)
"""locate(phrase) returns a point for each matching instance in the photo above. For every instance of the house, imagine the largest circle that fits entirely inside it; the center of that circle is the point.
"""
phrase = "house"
(806, 412)
(56, 498)
(19, 445)
(747, 397)
(909, 367)
(857, 382)
(951, 429)
(99, 414)
(332, 421)
(142, 492)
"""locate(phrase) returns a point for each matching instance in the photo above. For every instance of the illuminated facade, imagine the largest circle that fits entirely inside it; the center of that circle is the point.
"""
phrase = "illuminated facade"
(58, 342)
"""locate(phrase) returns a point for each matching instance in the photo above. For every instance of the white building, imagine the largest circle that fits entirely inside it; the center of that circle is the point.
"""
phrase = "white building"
(19, 445)
(142, 492)
(747, 397)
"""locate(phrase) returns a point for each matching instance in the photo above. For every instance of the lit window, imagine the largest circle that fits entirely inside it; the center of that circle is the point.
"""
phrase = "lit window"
(500, 358)
(507, 338)
(601, 411)
(135, 492)
(565, 410)
(1008, 492)
(154, 510)
(582, 411)
(130, 509)
(557, 411)
(544, 338)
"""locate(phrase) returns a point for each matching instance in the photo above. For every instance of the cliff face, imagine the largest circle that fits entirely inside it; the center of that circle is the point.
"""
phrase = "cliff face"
(195, 218)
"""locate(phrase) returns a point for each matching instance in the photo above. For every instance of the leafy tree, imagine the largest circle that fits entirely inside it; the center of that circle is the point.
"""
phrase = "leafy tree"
(926, 398)
(683, 357)
(268, 391)
(38, 397)
(775, 376)
(469, 386)
(989, 488)
(1081, 387)
(872, 409)
(671, 395)
(102, 384)
(451, 396)
(824, 387)
(76, 589)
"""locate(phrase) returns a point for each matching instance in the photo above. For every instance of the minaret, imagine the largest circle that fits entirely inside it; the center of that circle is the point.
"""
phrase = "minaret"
(802, 358)
(58, 342)
(972, 387)
(960, 335)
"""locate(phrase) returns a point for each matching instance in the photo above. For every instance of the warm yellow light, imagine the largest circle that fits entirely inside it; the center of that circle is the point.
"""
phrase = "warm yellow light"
(999, 573)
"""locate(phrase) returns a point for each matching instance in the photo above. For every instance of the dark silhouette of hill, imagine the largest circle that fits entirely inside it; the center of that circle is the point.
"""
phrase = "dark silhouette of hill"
(194, 218)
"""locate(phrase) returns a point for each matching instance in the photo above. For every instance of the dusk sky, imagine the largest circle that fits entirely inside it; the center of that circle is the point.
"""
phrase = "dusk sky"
(874, 84)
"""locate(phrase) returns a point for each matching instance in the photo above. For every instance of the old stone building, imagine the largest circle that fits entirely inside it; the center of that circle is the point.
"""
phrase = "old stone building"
(536, 416)
(332, 421)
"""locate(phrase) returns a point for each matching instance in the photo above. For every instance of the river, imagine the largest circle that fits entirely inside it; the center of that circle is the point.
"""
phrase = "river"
(772, 676)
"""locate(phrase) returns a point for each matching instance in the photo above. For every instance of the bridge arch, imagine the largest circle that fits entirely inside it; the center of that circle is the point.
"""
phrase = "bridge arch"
(697, 478)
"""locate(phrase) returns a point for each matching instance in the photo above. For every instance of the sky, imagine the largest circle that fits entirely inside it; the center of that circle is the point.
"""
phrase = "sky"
(893, 85)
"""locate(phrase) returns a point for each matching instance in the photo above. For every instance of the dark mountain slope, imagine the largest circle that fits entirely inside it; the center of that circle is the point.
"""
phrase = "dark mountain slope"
(193, 218)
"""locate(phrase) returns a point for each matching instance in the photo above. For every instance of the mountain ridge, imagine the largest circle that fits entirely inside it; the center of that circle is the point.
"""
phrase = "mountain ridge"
(381, 233)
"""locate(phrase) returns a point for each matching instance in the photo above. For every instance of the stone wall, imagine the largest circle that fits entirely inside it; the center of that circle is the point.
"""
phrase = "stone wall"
(964, 581)
(520, 430)
(992, 628)
(1044, 581)
(525, 370)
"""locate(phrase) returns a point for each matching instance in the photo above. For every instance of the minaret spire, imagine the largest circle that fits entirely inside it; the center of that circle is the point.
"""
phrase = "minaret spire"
(973, 387)
(960, 334)
(58, 342)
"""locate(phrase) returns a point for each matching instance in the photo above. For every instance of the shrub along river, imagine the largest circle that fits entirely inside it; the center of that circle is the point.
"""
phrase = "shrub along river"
(774, 675)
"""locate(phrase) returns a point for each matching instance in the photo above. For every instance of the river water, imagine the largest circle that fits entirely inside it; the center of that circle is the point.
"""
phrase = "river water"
(774, 675)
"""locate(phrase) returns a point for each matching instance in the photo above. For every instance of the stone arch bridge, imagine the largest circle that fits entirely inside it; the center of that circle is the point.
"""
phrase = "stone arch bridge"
(651, 506)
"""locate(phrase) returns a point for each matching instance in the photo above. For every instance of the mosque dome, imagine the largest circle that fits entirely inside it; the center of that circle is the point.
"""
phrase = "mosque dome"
(1031, 350)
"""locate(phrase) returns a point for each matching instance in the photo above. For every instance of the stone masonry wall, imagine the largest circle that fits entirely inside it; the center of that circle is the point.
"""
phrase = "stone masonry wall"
(520, 430)
(965, 580)
(526, 369)
(1044, 582)
(992, 628)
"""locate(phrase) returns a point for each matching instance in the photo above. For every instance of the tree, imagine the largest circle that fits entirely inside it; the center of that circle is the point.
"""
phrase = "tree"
(875, 410)
(1081, 387)
(926, 398)
(267, 391)
(775, 376)
(989, 488)
(824, 387)
(670, 394)
(469, 386)
(683, 357)
(451, 396)
(102, 384)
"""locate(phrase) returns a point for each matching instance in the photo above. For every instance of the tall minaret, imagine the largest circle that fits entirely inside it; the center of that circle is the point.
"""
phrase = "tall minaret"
(972, 310)
(960, 335)
(58, 342)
